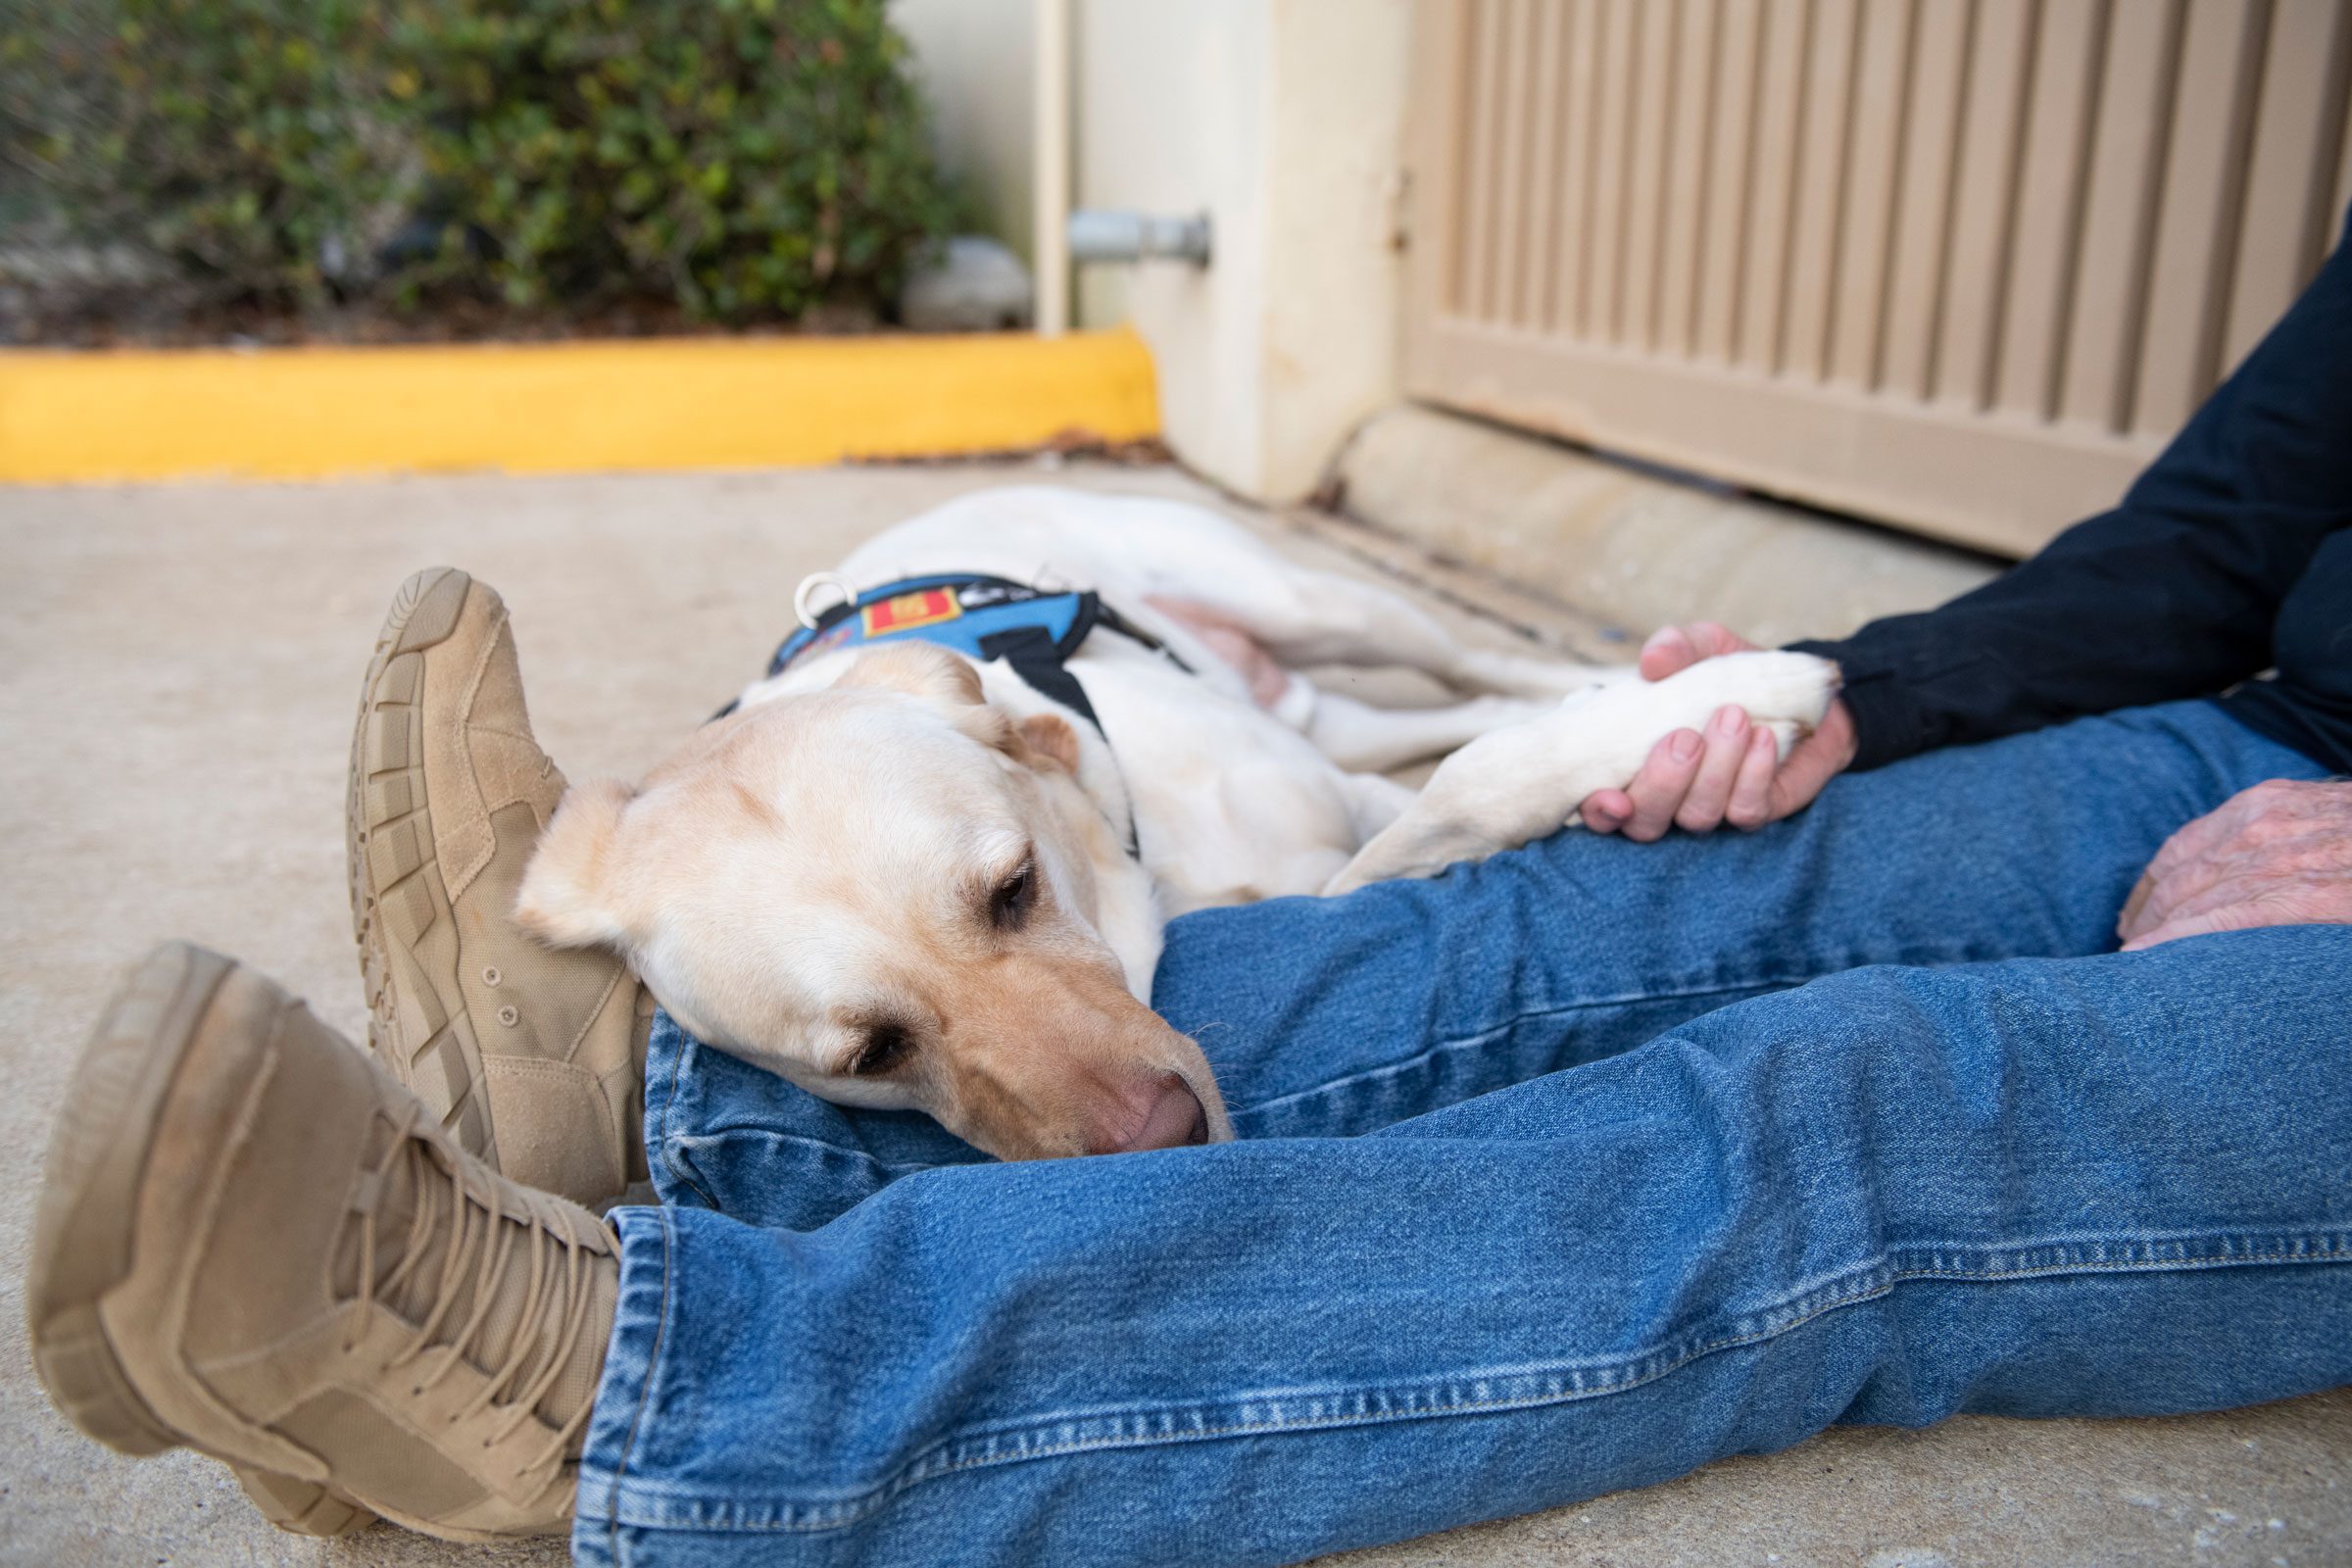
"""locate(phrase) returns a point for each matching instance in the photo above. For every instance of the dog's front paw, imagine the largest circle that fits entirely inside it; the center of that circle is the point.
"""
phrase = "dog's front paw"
(1778, 689)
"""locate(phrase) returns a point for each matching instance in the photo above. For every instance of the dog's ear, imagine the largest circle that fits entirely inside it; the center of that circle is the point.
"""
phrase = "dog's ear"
(952, 684)
(919, 670)
(566, 899)
(1048, 737)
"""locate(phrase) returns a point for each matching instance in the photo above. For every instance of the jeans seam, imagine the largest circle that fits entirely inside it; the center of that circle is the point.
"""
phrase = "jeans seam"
(1740, 990)
(1479, 1037)
(724, 1129)
(1850, 1286)
(669, 1098)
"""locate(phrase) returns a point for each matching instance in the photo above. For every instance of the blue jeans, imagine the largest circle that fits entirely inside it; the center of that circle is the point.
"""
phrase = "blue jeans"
(1561, 1173)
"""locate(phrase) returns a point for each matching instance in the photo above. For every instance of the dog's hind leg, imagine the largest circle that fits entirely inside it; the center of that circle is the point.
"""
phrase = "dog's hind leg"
(1373, 803)
(1364, 739)
(1301, 617)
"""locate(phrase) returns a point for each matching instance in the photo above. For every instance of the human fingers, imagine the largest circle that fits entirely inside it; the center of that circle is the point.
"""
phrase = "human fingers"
(1751, 802)
(1606, 810)
(2236, 916)
(1657, 790)
(2190, 862)
(1818, 758)
(1725, 749)
(2173, 874)
(1669, 651)
(2129, 924)
(1713, 639)
(1672, 650)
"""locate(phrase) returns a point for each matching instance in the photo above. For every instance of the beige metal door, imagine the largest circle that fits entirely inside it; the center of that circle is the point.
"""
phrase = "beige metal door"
(1960, 265)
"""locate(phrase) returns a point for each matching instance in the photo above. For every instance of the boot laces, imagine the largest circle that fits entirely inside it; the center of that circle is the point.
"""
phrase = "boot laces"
(556, 1298)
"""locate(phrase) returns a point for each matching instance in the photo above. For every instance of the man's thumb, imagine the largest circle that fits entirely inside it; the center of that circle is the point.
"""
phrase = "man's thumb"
(1668, 651)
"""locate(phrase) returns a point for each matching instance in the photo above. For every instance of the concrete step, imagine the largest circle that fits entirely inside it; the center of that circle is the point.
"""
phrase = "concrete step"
(1632, 545)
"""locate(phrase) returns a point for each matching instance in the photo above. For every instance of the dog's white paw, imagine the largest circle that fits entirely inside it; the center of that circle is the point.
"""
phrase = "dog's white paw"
(1524, 780)
(1776, 688)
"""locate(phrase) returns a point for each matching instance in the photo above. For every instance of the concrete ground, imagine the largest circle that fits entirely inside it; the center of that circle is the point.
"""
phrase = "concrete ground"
(177, 669)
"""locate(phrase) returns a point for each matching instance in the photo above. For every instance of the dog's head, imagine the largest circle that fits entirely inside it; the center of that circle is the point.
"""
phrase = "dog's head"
(888, 891)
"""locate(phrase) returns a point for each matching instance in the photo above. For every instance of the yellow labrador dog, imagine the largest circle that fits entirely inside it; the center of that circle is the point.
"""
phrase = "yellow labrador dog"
(925, 864)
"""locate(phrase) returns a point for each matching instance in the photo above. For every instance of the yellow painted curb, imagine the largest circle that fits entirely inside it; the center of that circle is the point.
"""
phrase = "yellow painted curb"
(560, 407)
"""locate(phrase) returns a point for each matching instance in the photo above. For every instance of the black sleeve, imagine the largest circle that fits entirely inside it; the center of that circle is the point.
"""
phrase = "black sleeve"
(2170, 594)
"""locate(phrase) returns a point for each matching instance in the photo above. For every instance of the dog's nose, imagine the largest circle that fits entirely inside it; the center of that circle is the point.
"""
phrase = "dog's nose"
(1176, 1119)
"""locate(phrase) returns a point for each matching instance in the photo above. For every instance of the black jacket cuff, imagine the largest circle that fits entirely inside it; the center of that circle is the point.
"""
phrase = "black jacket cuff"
(1888, 722)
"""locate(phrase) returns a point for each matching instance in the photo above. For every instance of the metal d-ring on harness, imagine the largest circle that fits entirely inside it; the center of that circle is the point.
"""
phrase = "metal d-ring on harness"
(801, 596)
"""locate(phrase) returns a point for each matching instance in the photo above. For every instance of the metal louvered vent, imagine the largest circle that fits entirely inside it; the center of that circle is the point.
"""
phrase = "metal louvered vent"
(1960, 265)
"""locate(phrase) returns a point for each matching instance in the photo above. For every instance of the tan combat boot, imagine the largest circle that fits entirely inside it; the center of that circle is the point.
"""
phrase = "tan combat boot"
(533, 1058)
(254, 1244)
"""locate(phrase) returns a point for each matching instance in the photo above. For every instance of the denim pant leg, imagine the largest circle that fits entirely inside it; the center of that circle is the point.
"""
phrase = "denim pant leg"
(2096, 1185)
(1329, 1017)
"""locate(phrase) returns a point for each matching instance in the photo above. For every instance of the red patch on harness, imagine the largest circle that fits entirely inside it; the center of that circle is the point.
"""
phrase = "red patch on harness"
(925, 606)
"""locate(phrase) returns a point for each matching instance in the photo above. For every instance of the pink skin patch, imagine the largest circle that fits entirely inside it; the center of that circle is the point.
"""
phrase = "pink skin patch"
(1267, 679)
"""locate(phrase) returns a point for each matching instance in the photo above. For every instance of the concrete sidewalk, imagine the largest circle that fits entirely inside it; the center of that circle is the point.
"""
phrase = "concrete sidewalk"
(178, 673)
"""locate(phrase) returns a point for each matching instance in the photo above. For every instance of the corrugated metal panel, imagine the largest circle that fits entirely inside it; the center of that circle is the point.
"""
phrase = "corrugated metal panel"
(1960, 265)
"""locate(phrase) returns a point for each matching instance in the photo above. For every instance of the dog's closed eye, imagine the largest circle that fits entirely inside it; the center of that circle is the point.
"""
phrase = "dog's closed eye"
(882, 1048)
(1010, 901)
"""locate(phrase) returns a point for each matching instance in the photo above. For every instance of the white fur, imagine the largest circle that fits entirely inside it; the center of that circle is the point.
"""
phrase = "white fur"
(1234, 801)
(825, 862)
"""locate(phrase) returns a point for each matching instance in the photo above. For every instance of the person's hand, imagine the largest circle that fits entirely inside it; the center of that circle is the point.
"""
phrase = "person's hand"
(2279, 853)
(1733, 773)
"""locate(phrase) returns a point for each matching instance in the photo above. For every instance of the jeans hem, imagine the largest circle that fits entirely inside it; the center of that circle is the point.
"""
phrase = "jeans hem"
(632, 1359)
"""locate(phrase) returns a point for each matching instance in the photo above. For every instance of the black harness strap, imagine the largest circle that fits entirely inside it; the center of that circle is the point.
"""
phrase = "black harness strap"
(1034, 656)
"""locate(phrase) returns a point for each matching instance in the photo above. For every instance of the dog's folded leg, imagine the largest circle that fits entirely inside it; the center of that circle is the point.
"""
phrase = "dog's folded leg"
(1526, 780)
(1364, 739)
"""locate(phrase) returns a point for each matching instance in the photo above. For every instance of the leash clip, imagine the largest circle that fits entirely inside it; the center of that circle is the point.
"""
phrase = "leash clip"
(809, 584)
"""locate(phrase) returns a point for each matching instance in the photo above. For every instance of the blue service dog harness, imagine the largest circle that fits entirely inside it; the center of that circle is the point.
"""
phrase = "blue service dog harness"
(1034, 631)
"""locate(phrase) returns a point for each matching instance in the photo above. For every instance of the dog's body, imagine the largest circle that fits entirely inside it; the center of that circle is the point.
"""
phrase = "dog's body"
(1033, 856)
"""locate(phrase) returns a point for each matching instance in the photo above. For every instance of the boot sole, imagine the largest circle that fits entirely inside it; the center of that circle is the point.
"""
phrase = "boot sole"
(83, 1227)
(394, 878)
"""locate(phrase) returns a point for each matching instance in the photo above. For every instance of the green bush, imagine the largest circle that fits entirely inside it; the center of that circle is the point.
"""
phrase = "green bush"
(745, 160)
(232, 139)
